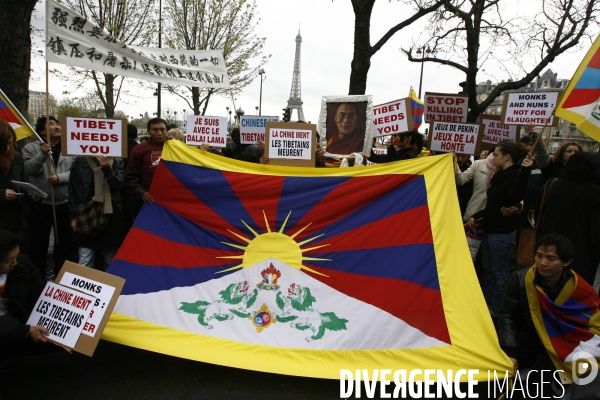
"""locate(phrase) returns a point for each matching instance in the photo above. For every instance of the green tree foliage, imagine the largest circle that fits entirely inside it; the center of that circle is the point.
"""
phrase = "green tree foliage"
(226, 25)
(466, 34)
(88, 105)
(130, 22)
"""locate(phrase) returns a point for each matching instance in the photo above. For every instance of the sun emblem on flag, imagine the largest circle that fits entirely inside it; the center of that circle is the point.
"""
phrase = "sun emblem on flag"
(274, 245)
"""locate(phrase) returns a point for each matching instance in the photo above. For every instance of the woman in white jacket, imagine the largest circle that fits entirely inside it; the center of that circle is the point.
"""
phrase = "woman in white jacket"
(480, 172)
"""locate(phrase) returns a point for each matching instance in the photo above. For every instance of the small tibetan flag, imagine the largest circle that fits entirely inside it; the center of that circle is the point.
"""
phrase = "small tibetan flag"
(10, 114)
(580, 103)
(417, 108)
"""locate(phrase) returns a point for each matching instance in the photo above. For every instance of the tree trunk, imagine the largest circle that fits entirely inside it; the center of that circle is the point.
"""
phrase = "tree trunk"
(15, 50)
(362, 46)
(473, 35)
(196, 100)
(109, 80)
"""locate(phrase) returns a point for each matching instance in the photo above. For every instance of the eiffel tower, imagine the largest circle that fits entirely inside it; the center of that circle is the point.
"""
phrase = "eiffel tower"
(295, 100)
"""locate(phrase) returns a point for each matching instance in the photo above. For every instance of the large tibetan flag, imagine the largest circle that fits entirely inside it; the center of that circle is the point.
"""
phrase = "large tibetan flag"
(303, 271)
(417, 108)
(580, 104)
(10, 114)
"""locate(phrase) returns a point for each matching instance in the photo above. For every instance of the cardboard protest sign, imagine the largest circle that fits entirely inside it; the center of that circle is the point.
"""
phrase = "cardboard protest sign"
(446, 107)
(535, 108)
(495, 131)
(206, 130)
(252, 128)
(291, 144)
(459, 138)
(63, 312)
(392, 117)
(105, 288)
(94, 136)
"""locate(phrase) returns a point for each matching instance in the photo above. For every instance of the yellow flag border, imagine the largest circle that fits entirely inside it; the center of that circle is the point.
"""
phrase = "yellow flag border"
(473, 337)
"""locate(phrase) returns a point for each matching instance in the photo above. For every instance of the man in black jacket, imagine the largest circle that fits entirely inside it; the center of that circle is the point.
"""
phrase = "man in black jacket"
(20, 287)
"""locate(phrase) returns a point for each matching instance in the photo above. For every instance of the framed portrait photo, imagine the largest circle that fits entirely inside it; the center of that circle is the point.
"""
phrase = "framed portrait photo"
(345, 124)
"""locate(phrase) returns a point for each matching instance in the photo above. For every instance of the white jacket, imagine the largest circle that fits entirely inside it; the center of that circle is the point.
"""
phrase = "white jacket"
(477, 173)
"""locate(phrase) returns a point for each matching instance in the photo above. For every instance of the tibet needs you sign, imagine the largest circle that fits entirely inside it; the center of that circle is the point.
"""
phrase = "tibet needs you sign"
(391, 118)
(94, 136)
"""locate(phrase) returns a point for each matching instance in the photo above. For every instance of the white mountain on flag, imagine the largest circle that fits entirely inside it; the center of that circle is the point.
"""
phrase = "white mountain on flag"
(273, 304)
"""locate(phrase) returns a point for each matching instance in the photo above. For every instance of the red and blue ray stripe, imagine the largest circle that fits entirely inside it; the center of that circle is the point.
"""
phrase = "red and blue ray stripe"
(7, 114)
(587, 88)
(567, 324)
(377, 229)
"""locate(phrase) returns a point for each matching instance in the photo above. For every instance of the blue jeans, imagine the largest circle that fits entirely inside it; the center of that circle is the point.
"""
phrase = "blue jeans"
(86, 256)
(495, 254)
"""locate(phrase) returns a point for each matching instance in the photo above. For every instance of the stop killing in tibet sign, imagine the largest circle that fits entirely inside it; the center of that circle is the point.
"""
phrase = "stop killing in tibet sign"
(206, 130)
(446, 107)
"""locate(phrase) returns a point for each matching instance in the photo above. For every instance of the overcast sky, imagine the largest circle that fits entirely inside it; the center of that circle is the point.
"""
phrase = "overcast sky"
(327, 29)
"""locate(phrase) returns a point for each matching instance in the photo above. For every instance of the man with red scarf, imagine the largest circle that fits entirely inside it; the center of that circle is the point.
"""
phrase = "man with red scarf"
(549, 313)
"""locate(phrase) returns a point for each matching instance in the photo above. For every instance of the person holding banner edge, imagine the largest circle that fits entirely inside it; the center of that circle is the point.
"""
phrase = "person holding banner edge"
(143, 161)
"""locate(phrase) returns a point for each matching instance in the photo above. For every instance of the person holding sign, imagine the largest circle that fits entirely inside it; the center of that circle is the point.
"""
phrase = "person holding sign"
(20, 287)
(347, 138)
(49, 170)
(404, 147)
(100, 179)
(507, 189)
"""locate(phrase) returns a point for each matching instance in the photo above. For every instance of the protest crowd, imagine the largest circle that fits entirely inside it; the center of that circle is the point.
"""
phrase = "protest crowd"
(505, 194)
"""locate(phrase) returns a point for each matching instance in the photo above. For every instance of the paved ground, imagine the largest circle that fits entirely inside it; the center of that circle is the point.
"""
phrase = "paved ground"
(121, 372)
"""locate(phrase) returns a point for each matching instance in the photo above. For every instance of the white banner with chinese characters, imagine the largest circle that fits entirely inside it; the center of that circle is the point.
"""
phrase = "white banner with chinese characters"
(73, 40)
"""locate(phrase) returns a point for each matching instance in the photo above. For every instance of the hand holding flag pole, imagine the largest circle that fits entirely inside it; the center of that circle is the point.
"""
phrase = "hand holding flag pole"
(50, 154)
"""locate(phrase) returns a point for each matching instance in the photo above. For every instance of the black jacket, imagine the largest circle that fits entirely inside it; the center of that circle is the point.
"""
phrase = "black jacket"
(516, 331)
(572, 209)
(11, 212)
(392, 155)
(23, 287)
(81, 183)
(507, 188)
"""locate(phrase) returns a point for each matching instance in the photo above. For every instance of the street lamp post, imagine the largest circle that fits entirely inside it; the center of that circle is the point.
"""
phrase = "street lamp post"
(421, 52)
(261, 72)
(239, 112)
